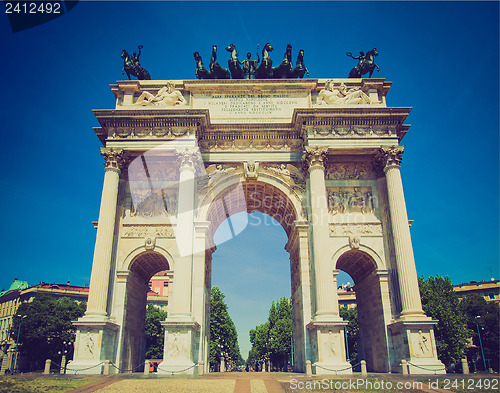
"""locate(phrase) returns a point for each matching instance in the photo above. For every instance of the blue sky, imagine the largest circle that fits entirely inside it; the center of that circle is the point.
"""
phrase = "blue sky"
(442, 58)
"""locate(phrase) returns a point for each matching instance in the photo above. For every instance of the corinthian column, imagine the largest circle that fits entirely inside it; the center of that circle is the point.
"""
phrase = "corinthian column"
(101, 265)
(390, 159)
(326, 294)
(188, 161)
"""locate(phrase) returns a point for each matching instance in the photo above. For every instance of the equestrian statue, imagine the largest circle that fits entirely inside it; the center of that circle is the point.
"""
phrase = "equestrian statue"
(366, 63)
(131, 65)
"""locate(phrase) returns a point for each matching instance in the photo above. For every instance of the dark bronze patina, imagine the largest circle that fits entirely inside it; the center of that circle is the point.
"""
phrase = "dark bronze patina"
(366, 63)
(131, 65)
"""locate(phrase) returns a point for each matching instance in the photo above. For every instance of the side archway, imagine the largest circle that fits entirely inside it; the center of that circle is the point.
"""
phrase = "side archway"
(140, 270)
(373, 304)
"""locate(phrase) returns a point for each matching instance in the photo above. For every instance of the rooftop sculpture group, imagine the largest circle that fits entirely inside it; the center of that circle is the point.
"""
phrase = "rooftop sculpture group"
(251, 69)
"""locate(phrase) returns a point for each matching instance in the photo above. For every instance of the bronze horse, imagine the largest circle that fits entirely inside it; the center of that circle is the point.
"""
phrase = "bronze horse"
(131, 65)
(366, 64)
(201, 71)
(234, 63)
(300, 68)
(265, 69)
(285, 67)
(215, 68)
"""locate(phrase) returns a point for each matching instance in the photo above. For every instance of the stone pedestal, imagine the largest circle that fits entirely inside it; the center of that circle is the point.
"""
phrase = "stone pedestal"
(178, 349)
(95, 343)
(414, 342)
(328, 344)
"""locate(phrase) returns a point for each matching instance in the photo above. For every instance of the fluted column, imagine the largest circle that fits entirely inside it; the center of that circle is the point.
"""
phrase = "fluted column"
(390, 159)
(181, 306)
(101, 265)
(326, 295)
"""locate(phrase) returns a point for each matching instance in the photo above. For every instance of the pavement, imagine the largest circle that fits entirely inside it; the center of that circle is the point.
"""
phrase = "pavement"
(242, 382)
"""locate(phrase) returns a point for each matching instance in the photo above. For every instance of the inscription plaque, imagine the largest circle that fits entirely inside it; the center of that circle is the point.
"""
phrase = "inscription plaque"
(250, 107)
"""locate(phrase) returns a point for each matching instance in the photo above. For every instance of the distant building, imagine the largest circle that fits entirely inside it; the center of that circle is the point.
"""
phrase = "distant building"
(347, 296)
(20, 292)
(489, 290)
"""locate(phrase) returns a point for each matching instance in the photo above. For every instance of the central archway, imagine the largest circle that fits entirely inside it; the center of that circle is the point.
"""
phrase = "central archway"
(274, 198)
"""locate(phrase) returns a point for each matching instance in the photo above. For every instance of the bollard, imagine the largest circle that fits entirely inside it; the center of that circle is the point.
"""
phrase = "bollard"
(146, 367)
(404, 365)
(106, 367)
(201, 365)
(309, 372)
(465, 366)
(363, 368)
(47, 366)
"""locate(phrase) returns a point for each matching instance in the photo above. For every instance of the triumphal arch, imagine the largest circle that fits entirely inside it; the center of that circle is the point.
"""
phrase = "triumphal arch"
(321, 156)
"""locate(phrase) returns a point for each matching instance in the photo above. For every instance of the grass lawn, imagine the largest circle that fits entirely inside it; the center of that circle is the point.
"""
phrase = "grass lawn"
(41, 384)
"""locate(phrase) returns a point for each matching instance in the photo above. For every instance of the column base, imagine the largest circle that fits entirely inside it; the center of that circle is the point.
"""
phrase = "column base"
(414, 342)
(180, 339)
(328, 347)
(95, 343)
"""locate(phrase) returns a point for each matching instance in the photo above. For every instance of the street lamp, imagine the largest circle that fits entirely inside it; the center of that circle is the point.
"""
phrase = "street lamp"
(480, 342)
(346, 344)
(64, 352)
(17, 344)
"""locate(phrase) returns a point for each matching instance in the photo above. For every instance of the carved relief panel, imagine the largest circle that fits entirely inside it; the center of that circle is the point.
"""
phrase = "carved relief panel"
(345, 200)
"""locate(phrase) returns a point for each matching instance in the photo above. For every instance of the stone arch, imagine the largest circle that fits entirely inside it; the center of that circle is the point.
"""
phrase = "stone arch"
(133, 256)
(142, 265)
(277, 199)
(373, 303)
(264, 195)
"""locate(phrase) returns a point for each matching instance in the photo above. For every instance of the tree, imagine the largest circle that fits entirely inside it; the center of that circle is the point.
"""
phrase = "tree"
(154, 332)
(223, 335)
(46, 325)
(273, 339)
(473, 306)
(441, 302)
(351, 315)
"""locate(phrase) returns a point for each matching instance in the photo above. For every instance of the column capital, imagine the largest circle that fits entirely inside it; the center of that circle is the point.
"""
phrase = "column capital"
(114, 158)
(188, 158)
(315, 157)
(389, 157)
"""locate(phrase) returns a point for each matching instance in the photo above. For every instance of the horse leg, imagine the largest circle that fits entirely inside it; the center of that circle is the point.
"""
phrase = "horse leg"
(128, 74)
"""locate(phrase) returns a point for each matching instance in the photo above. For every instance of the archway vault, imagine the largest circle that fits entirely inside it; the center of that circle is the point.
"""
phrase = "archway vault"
(252, 196)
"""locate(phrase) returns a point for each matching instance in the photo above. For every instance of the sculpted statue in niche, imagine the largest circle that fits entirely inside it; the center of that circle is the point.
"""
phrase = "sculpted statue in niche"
(341, 95)
(166, 96)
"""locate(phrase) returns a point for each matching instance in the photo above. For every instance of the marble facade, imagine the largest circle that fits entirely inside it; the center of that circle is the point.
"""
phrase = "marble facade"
(320, 156)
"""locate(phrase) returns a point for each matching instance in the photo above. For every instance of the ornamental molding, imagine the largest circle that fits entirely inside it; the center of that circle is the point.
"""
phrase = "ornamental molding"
(236, 145)
(166, 133)
(324, 132)
(350, 230)
(147, 231)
